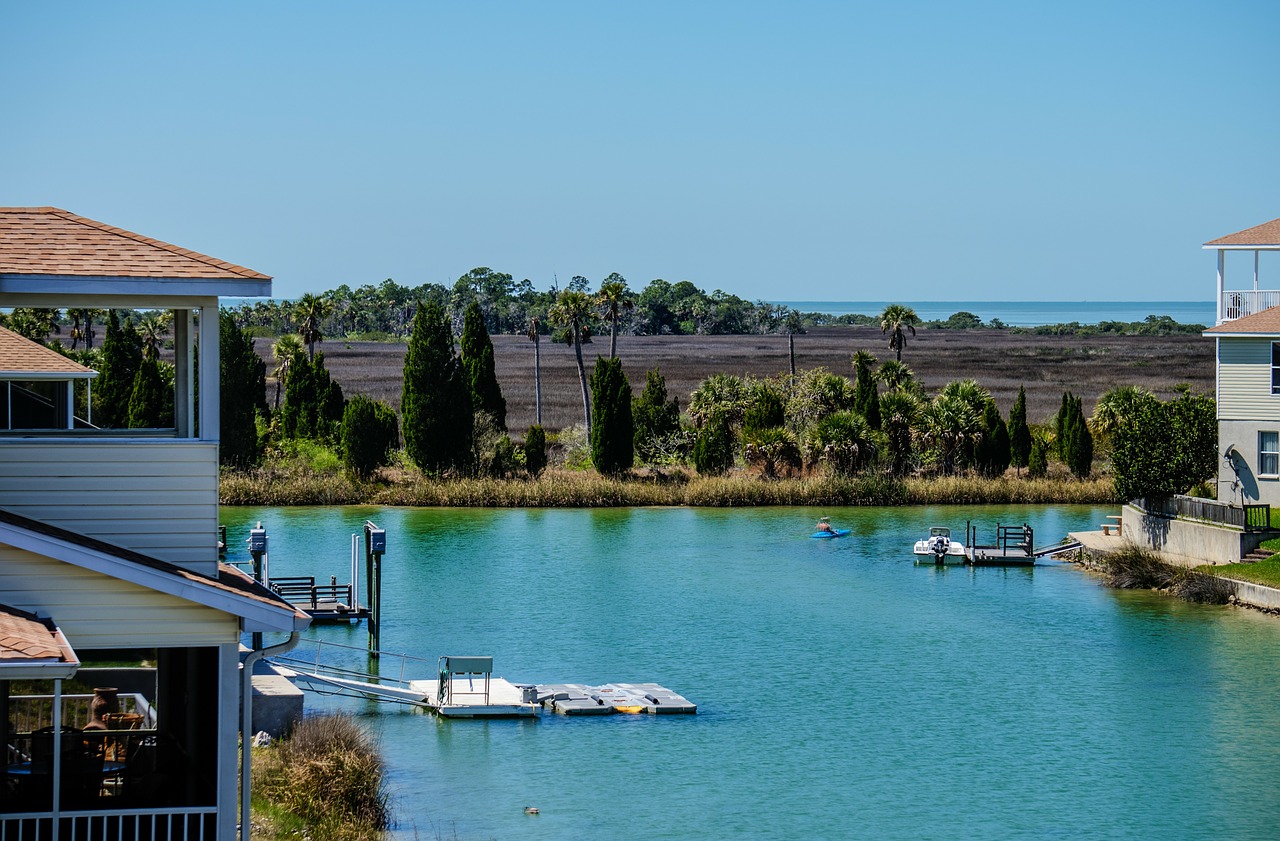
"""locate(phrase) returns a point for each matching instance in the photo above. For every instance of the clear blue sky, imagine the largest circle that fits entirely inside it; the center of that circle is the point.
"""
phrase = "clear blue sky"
(788, 151)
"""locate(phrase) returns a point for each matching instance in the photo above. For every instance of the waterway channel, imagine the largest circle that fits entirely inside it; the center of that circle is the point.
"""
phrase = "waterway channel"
(843, 691)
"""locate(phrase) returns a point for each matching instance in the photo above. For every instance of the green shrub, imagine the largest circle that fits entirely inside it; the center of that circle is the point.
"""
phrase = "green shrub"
(713, 448)
(370, 433)
(535, 451)
(329, 774)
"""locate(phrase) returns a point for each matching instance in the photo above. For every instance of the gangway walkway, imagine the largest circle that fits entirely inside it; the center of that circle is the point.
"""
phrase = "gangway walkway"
(462, 687)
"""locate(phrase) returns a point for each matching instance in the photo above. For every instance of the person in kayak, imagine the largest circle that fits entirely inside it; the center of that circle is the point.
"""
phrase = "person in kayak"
(824, 525)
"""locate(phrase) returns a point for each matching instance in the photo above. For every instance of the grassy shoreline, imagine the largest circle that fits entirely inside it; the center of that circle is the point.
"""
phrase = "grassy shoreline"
(584, 489)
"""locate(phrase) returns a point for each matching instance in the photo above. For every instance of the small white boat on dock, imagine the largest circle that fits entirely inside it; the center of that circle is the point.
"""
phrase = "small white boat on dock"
(939, 548)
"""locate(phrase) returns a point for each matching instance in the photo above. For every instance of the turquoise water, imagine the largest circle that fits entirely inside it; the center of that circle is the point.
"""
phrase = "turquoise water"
(843, 691)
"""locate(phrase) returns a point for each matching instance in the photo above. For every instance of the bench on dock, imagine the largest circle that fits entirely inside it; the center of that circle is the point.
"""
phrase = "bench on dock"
(1107, 527)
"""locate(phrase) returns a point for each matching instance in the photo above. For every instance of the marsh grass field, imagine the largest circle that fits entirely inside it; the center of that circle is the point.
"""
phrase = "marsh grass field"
(999, 360)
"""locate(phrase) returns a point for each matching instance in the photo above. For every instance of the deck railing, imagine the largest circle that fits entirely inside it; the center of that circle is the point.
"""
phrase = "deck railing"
(1249, 518)
(194, 823)
(1237, 303)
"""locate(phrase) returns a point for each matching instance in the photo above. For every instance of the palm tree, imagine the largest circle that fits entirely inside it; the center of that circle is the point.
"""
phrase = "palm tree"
(892, 321)
(153, 329)
(572, 310)
(1118, 405)
(283, 351)
(896, 376)
(899, 417)
(310, 311)
(534, 337)
(612, 301)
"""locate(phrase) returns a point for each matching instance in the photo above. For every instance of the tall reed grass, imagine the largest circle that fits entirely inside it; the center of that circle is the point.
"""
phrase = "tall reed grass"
(1134, 568)
(300, 484)
(329, 774)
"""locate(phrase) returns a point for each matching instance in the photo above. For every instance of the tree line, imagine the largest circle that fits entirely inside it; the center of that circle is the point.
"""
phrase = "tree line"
(453, 415)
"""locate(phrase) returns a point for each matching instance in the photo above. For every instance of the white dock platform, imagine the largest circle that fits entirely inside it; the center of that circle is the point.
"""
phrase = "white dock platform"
(470, 696)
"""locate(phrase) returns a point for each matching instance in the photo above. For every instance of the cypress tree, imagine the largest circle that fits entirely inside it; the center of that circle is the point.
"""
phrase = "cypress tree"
(1079, 449)
(477, 360)
(369, 435)
(242, 386)
(151, 401)
(1060, 427)
(1038, 460)
(993, 450)
(121, 359)
(612, 428)
(328, 403)
(435, 404)
(1019, 432)
(298, 414)
(653, 414)
(713, 448)
(535, 451)
(866, 399)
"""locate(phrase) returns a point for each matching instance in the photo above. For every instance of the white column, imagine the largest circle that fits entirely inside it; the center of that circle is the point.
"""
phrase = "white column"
(183, 369)
(1255, 270)
(209, 370)
(1221, 280)
(228, 718)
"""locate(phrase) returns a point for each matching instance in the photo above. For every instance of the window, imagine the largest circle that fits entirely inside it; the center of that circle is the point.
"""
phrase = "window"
(1269, 453)
(1275, 367)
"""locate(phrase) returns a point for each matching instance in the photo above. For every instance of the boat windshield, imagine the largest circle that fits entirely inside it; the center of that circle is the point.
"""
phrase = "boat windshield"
(939, 532)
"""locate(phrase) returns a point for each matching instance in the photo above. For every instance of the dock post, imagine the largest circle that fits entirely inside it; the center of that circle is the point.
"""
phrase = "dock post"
(375, 546)
(258, 548)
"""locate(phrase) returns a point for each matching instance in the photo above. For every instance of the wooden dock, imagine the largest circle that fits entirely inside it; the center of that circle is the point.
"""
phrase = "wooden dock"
(326, 604)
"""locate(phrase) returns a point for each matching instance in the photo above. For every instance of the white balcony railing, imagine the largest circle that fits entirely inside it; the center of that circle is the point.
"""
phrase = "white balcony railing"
(1237, 303)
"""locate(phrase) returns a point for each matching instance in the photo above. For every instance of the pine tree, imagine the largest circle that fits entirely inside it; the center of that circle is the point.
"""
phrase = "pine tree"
(435, 404)
(1038, 460)
(1019, 432)
(612, 428)
(1079, 449)
(477, 360)
(121, 358)
(242, 386)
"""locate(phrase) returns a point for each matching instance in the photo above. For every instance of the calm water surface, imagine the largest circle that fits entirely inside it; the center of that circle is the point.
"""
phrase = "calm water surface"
(843, 691)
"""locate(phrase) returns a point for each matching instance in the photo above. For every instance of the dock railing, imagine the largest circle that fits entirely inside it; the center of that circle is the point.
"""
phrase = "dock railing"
(1248, 518)
(351, 662)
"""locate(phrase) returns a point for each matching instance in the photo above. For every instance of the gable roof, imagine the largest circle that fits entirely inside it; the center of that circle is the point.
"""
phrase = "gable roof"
(31, 647)
(1262, 323)
(231, 592)
(1266, 235)
(20, 355)
(47, 250)
(51, 241)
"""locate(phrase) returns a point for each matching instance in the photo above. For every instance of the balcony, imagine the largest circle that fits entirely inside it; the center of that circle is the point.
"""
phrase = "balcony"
(1237, 303)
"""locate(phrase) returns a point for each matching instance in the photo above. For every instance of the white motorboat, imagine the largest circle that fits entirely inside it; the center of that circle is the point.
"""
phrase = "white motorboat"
(939, 548)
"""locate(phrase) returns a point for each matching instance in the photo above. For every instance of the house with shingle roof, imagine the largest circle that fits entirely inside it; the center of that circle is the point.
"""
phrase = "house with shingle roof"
(37, 385)
(108, 554)
(1247, 335)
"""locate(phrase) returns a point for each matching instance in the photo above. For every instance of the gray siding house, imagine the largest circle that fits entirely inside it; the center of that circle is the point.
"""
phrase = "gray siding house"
(1248, 374)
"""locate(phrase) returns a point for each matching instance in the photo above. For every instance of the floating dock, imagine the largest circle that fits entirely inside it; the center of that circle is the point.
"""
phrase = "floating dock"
(466, 688)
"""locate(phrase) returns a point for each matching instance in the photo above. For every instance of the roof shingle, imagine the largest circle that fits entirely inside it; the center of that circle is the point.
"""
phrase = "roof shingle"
(20, 355)
(50, 241)
(1268, 233)
(1267, 321)
(24, 636)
